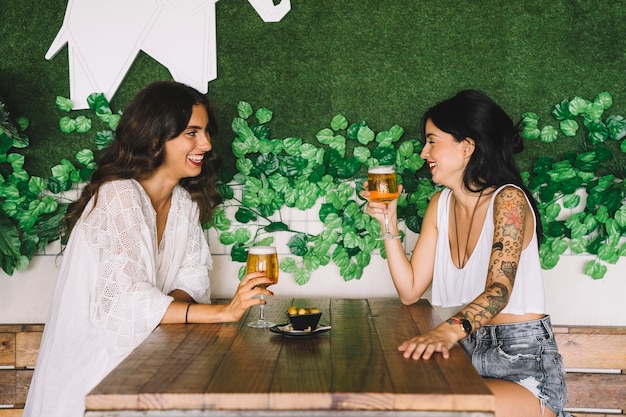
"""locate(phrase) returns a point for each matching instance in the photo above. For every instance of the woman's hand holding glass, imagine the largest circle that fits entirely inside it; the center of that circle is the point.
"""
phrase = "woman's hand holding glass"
(382, 184)
(383, 212)
(248, 294)
(265, 259)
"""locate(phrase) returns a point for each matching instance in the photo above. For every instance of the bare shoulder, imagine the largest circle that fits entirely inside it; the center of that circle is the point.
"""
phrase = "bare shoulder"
(430, 217)
(510, 195)
(432, 205)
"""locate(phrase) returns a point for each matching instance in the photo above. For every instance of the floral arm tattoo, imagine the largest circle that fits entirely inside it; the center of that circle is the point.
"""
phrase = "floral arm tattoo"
(509, 217)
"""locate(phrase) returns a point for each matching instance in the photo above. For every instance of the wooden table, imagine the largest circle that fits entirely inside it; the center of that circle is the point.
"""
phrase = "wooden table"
(354, 369)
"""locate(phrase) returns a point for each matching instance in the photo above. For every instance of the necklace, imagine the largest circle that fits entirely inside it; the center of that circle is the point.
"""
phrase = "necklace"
(469, 232)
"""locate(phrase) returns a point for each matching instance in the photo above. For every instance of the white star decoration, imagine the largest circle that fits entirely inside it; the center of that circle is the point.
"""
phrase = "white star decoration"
(104, 38)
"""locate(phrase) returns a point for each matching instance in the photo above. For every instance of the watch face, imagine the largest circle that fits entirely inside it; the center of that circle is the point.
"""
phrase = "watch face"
(467, 326)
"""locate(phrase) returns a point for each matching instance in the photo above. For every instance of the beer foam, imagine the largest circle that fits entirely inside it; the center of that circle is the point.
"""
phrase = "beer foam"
(262, 250)
(383, 169)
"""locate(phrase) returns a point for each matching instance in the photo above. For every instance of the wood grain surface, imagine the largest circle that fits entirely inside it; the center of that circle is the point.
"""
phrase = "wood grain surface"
(354, 366)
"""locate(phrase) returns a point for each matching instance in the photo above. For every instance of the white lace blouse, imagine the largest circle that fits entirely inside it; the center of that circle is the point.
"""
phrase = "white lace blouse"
(112, 291)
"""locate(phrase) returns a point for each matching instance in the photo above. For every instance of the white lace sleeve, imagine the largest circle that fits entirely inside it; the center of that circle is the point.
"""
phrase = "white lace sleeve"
(119, 229)
(192, 275)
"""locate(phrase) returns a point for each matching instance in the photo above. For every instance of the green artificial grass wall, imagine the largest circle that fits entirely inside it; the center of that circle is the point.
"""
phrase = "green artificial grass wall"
(384, 62)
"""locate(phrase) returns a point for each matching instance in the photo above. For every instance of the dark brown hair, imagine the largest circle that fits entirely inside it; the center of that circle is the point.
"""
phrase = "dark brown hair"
(472, 114)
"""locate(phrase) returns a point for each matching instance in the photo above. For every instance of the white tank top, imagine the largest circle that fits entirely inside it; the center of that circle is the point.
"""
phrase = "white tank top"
(457, 287)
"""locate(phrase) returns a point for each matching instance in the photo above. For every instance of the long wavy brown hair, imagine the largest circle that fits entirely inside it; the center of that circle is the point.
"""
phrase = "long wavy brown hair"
(158, 113)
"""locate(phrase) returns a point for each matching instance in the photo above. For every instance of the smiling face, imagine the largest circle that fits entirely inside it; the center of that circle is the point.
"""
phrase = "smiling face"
(184, 154)
(445, 156)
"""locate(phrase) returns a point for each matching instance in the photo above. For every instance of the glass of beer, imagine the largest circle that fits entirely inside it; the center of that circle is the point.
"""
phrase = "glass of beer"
(383, 187)
(263, 258)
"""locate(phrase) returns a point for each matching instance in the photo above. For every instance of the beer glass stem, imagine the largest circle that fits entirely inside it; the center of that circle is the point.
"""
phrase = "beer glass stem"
(386, 223)
(262, 310)
(387, 234)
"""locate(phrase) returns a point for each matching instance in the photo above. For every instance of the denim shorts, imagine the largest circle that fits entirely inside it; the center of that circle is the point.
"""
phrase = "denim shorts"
(525, 353)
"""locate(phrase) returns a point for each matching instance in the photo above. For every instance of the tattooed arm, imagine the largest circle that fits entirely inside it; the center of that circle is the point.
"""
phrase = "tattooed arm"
(513, 229)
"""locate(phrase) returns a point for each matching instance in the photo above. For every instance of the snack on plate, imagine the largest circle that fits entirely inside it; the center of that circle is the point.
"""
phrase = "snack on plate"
(304, 318)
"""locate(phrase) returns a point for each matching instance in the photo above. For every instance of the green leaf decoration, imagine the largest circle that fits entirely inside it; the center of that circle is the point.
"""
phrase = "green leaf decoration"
(263, 115)
(103, 139)
(292, 166)
(85, 156)
(242, 235)
(616, 126)
(16, 161)
(620, 217)
(362, 154)
(386, 155)
(351, 239)
(354, 129)
(36, 185)
(332, 221)
(578, 246)
(339, 144)
(598, 132)
(396, 133)
(226, 191)
(67, 124)
(385, 139)
(406, 149)
(244, 110)
(603, 100)
(578, 106)
(311, 263)
(9, 238)
(595, 270)
(242, 272)
(530, 119)
(548, 134)
(239, 253)
(98, 102)
(22, 123)
(339, 122)
(308, 151)
(288, 265)
(325, 136)
(292, 145)
(227, 238)
(267, 241)
(594, 112)
(559, 112)
(530, 132)
(347, 167)
(63, 104)
(276, 227)
(569, 127)
(571, 201)
(298, 244)
(302, 276)
(245, 215)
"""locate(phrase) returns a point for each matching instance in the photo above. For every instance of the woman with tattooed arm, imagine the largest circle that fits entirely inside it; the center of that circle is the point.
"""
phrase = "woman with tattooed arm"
(479, 249)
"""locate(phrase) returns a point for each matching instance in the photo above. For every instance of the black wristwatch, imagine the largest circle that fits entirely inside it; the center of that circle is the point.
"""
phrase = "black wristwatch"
(466, 325)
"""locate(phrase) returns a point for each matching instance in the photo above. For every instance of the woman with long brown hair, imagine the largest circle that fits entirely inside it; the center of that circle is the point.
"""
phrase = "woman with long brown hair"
(137, 255)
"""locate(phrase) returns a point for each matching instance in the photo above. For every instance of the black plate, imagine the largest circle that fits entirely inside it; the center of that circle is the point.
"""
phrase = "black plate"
(283, 329)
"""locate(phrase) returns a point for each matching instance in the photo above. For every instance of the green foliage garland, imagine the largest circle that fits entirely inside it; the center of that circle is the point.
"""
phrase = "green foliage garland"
(328, 171)
(30, 212)
(597, 168)
(275, 173)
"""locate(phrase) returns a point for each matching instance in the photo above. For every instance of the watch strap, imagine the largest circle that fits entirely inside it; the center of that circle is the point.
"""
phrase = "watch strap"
(465, 324)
